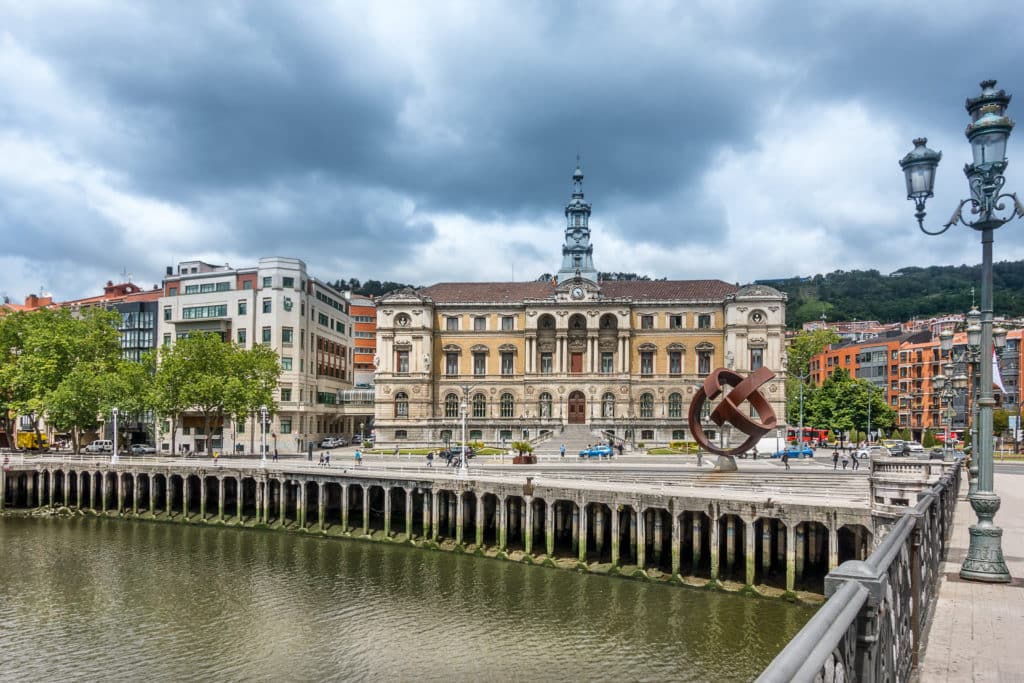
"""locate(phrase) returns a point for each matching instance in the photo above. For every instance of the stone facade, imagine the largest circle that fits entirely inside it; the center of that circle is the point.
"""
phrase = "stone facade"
(530, 357)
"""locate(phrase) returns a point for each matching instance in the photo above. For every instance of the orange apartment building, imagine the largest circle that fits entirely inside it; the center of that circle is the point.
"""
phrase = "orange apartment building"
(911, 361)
(363, 311)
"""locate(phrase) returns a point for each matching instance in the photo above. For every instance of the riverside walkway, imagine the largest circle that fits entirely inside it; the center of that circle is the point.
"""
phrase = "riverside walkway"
(976, 634)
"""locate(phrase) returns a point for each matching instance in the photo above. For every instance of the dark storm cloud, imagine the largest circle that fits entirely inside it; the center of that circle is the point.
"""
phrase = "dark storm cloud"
(333, 132)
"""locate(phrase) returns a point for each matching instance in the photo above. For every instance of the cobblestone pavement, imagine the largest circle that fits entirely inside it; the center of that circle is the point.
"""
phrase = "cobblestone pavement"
(978, 630)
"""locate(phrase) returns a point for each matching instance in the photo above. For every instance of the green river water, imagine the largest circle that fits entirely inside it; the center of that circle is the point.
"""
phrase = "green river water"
(92, 599)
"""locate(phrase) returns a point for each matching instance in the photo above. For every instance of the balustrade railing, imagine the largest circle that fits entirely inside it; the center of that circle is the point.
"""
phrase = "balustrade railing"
(870, 627)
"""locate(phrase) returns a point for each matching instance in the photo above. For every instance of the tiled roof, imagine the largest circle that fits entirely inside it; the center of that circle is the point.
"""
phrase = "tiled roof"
(638, 290)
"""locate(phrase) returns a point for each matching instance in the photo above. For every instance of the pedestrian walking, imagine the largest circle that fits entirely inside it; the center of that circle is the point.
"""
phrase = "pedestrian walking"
(396, 451)
(430, 459)
(327, 459)
(700, 458)
(755, 452)
(785, 459)
(359, 456)
(846, 460)
(216, 454)
(320, 462)
(835, 459)
(855, 463)
(275, 453)
(561, 450)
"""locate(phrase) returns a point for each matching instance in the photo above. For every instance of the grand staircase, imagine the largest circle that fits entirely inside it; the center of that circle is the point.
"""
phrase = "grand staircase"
(575, 438)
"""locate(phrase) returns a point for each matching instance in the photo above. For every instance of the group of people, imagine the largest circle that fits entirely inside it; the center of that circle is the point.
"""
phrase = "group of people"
(845, 457)
(325, 459)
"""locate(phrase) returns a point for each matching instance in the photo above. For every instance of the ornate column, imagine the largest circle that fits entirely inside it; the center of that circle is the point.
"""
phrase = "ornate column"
(528, 526)
(791, 556)
(713, 533)
(833, 547)
(202, 497)
(435, 514)
(579, 531)
(615, 535)
(641, 539)
(479, 518)
(460, 517)
(344, 508)
(676, 543)
(408, 513)
(366, 510)
(502, 523)
(321, 505)
(749, 554)
(799, 546)
(549, 527)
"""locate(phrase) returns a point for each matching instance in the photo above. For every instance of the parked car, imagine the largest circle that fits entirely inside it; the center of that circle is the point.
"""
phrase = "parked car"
(916, 449)
(333, 442)
(142, 449)
(794, 452)
(100, 446)
(357, 439)
(875, 451)
(454, 454)
(597, 452)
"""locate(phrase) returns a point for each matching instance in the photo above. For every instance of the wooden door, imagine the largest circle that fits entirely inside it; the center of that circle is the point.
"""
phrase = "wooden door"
(577, 408)
(576, 363)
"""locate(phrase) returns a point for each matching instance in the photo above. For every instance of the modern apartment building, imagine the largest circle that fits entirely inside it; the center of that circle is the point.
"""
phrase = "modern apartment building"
(363, 311)
(279, 304)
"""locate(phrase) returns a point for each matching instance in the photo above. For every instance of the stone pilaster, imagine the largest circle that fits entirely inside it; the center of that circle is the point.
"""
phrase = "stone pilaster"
(579, 530)
(549, 528)
(791, 556)
(528, 526)
(366, 510)
(730, 543)
(460, 517)
(502, 523)
(479, 518)
(387, 511)
(435, 514)
(321, 506)
(641, 539)
(713, 533)
(749, 554)
(408, 513)
(698, 539)
(220, 499)
(676, 543)
(799, 546)
(658, 536)
(599, 532)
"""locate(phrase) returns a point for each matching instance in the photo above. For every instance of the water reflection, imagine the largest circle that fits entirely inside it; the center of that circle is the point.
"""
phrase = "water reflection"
(113, 600)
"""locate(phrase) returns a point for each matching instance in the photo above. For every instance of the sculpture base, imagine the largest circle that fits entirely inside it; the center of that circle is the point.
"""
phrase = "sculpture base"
(984, 561)
(726, 463)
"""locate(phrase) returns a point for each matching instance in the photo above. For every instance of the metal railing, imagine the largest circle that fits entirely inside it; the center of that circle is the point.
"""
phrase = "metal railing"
(870, 627)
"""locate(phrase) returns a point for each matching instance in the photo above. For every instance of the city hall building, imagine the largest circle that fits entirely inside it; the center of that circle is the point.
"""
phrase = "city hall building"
(616, 357)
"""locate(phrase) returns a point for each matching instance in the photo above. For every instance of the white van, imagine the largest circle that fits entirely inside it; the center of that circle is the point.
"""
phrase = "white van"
(100, 446)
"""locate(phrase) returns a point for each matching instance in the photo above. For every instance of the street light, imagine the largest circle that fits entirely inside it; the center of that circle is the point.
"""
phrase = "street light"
(113, 455)
(463, 410)
(987, 132)
(263, 436)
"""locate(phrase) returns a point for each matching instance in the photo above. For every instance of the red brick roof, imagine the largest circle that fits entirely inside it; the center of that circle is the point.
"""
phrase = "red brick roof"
(638, 290)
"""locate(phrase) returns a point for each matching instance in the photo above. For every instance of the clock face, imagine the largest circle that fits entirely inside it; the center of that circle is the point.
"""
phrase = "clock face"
(577, 292)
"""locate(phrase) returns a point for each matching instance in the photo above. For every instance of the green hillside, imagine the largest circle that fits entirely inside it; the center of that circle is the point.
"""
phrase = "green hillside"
(899, 296)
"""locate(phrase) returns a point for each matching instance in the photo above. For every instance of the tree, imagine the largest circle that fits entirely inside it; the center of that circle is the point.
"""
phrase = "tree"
(75, 405)
(841, 403)
(928, 439)
(802, 348)
(1000, 421)
(252, 382)
(48, 346)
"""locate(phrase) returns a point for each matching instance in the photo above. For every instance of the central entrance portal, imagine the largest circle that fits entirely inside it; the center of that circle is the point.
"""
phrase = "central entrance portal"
(577, 408)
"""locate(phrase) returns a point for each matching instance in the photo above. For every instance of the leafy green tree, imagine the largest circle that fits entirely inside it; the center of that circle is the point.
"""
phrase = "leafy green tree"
(1000, 421)
(841, 402)
(802, 348)
(75, 405)
(928, 439)
(252, 383)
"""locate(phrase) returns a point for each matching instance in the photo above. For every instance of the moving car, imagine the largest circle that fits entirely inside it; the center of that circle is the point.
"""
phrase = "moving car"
(100, 446)
(794, 452)
(916, 449)
(142, 449)
(597, 452)
(873, 452)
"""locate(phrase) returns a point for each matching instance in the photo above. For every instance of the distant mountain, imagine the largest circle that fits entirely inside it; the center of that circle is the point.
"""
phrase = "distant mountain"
(901, 295)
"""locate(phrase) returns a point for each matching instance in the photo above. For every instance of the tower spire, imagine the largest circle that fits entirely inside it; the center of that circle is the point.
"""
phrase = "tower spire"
(577, 251)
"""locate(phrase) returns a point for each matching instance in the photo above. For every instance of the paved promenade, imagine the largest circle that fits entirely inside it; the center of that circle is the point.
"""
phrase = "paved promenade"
(978, 631)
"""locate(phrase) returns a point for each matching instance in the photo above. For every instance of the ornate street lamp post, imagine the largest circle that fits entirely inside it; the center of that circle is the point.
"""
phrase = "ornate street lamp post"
(113, 454)
(464, 412)
(263, 436)
(988, 133)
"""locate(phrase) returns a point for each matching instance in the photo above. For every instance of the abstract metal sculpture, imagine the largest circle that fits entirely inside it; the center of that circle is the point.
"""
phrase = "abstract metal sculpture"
(744, 389)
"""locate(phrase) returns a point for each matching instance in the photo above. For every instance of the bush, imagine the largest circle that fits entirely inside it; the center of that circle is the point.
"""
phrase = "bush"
(522, 447)
(640, 444)
(928, 439)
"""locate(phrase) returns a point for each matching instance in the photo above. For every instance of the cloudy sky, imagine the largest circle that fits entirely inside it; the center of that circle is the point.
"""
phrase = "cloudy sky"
(423, 142)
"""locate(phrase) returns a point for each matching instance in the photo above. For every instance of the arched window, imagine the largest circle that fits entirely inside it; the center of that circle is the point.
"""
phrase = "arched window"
(646, 405)
(608, 405)
(479, 406)
(675, 405)
(401, 404)
(508, 405)
(545, 404)
(451, 405)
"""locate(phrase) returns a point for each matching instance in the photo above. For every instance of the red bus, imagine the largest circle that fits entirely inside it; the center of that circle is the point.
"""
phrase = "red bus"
(811, 435)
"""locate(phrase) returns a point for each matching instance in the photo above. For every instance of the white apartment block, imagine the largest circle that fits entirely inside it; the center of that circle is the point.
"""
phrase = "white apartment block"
(279, 304)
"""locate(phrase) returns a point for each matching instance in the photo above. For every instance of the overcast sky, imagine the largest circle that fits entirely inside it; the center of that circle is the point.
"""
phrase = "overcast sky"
(427, 142)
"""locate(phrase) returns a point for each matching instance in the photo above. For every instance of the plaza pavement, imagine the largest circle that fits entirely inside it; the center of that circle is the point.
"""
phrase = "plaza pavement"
(978, 631)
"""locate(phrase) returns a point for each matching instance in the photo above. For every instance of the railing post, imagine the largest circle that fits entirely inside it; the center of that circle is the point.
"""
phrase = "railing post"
(868, 650)
(916, 592)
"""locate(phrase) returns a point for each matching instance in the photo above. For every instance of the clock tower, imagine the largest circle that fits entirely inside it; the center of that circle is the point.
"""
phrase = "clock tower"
(577, 251)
